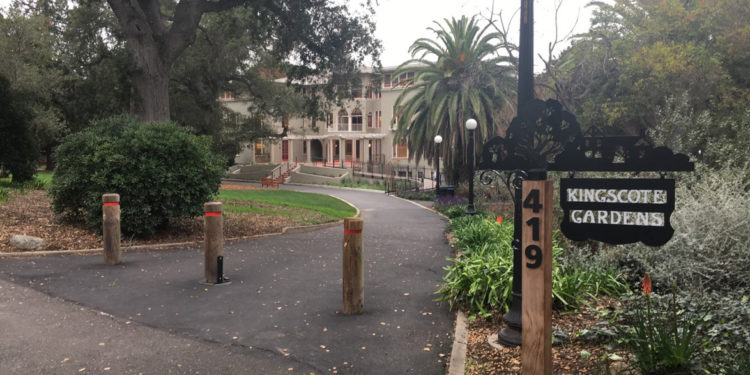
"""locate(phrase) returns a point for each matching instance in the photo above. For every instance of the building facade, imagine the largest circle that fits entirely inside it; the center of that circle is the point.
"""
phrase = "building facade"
(361, 129)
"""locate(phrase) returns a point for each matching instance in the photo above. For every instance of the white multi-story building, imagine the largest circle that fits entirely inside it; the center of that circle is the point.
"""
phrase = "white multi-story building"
(361, 129)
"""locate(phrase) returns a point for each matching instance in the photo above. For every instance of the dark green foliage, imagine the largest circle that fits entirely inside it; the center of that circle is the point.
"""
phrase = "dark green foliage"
(416, 195)
(161, 172)
(481, 278)
(661, 336)
(19, 148)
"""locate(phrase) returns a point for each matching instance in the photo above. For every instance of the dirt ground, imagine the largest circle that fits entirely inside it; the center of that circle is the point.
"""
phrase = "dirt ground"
(31, 214)
(575, 352)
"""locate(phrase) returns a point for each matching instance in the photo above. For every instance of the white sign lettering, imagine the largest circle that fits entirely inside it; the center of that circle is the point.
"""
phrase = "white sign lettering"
(616, 196)
(647, 219)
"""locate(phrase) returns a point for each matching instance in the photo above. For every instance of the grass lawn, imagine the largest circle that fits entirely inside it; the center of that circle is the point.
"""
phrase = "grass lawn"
(41, 181)
(241, 201)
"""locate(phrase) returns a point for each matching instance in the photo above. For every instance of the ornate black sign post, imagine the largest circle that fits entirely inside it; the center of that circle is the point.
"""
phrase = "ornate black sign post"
(543, 137)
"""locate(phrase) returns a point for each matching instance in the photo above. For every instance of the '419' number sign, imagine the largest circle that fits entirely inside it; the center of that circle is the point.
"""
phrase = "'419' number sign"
(536, 356)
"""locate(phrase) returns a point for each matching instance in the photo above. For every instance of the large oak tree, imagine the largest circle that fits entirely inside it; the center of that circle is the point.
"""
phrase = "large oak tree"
(314, 36)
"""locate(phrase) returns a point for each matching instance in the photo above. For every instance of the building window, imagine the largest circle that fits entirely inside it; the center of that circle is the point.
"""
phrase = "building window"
(400, 150)
(387, 80)
(226, 95)
(378, 119)
(343, 121)
(329, 120)
(285, 121)
(357, 92)
(369, 119)
(410, 77)
(357, 120)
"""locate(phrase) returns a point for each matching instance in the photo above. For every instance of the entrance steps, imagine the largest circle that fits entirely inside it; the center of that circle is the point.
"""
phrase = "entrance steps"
(251, 172)
(308, 174)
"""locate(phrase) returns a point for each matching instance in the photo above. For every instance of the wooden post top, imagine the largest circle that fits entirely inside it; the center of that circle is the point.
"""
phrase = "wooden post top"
(212, 207)
(111, 198)
(354, 223)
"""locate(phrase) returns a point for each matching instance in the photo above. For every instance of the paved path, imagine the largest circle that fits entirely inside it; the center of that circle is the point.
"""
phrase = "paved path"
(280, 314)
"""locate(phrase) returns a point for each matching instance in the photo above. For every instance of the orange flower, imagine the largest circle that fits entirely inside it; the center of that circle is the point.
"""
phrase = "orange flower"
(499, 220)
(646, 283)
(489, 218)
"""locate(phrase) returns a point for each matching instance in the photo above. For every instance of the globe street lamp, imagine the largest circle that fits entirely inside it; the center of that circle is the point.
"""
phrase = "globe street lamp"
(471, 124)
(438, 140)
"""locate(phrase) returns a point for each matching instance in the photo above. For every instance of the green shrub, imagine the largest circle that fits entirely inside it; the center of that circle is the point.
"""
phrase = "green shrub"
(161, 172)
(416, 195)
(710, 249)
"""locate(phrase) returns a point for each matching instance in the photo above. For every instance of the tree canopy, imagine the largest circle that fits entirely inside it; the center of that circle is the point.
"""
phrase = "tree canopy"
(311, 37)
(457, 76)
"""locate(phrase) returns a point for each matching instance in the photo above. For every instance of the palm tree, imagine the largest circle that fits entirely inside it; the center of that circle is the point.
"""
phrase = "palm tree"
(458, 76)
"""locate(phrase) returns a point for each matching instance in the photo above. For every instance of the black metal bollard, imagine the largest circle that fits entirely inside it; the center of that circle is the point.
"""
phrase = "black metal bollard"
(219, 269)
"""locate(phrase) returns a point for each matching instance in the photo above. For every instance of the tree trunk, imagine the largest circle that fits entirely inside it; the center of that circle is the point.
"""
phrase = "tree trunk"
(151, 84)
(155, 47)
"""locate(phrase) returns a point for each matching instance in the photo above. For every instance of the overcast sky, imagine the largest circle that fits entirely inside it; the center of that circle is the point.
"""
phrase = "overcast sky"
(401, 22)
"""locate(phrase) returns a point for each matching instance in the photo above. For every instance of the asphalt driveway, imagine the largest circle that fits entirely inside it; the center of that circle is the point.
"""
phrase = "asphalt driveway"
(280, 314)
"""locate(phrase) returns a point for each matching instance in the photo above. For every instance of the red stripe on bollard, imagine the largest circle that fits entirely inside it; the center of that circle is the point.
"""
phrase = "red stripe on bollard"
(352, 231)
(110, 204)
(213, 213)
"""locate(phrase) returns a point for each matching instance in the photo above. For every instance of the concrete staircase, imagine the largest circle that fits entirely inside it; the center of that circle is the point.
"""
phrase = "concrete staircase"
(251, 172)
(307, 174)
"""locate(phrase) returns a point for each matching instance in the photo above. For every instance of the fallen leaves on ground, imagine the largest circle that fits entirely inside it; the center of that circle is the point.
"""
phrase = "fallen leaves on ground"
(482, 358)
(30, 213)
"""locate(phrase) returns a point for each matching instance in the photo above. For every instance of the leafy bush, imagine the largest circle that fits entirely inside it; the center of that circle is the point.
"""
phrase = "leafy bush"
(710, 249)
(481, 278)
(161, 172)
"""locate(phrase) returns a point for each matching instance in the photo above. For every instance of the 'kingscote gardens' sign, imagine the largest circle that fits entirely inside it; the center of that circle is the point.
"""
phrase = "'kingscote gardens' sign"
(617, 211)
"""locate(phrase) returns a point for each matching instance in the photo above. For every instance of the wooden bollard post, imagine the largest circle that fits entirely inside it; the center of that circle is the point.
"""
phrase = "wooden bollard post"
(536, 337)
(214, 234)
(353, 270)
(111, 228)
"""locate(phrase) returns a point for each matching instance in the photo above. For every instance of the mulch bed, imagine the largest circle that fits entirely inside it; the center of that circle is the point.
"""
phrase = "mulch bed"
(484, 359)
(30, 213)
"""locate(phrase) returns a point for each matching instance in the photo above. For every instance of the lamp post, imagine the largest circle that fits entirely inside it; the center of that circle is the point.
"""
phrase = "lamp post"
(511, 334)
(438, 140)
(471, 124)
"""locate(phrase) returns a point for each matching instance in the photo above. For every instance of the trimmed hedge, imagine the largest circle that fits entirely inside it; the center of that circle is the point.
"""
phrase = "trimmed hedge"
(161, 172)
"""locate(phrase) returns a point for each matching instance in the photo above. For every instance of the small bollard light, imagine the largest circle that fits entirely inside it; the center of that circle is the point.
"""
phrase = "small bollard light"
(219, 269)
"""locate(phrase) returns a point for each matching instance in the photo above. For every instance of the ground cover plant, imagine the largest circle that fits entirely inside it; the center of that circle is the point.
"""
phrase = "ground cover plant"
(416, 195)
(480, 278)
